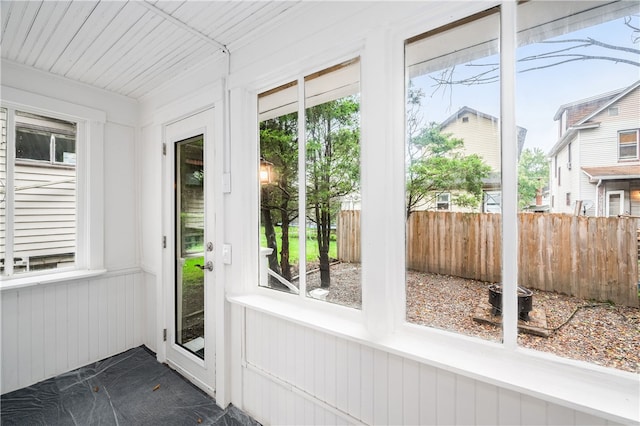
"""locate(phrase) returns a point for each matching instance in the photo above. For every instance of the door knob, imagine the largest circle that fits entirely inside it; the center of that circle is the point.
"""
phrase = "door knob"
(208, 266)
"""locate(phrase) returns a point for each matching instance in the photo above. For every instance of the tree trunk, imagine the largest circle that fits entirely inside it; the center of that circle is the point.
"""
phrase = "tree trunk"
(325, 230)
(284, 254)
(269, 232)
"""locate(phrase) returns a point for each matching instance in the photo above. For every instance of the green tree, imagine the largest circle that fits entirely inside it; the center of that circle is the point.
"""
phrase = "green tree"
(436, 163)
(533, 174)
(333, 167)
(279, 199)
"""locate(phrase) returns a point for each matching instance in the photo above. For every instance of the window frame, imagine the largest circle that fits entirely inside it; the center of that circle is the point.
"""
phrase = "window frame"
(447, 195)
(301, 78)
(89, 255)
(620, 145)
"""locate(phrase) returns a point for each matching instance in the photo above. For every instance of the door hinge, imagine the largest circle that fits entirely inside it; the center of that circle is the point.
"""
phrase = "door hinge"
(164, 335)
(164, 241)
(164, 149)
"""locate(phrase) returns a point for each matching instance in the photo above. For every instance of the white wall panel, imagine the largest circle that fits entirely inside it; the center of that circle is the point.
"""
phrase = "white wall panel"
(48, 330)
(38, 353)
(508, 407)
(446, 398)
(380, 388)
(465, 401)
(10, 341)
(149, 331)
(428, 392)
(371, 385)
(533, 411)
(486, 403)
(410, 392)
(367, 384)
(394, 387)
(120, 198)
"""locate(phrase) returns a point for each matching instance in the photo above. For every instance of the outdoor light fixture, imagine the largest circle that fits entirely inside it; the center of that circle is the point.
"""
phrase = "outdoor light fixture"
(266, 171)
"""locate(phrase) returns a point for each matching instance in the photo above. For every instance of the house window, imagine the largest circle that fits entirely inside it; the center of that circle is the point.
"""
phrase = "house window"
(442, 201)
(568, 198)
(310, 222)
(628, 145)
(39, 217)
(558, 174)
(613, 111)
(46, 140)
(451, 166)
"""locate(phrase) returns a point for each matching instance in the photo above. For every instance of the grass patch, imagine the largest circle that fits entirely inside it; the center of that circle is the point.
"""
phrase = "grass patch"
(191, 274)
(312, 244)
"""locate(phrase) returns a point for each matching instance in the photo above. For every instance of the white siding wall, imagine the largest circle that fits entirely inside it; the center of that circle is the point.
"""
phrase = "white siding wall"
(45, 215)
(296, 375)
(566, 178)
(481, 136)
(600, 145)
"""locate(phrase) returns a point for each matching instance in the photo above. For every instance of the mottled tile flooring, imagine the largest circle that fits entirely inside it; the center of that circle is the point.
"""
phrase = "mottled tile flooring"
(131, 388)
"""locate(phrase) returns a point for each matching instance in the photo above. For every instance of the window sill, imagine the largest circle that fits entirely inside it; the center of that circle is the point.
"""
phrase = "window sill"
(602, 392)
(14, 283)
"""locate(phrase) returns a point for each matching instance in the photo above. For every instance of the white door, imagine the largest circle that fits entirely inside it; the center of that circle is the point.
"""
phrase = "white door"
(615, 203)
(190, 224)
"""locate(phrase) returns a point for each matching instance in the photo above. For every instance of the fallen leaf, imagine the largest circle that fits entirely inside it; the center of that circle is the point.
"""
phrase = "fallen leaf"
(156, 387)
(96, 389)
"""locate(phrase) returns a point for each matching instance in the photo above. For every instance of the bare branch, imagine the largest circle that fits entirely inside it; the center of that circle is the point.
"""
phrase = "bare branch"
(574, 58)
(593, 42)
(635, 37)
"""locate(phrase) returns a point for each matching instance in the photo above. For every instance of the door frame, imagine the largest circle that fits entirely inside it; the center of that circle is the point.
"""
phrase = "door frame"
(216, 323)
(608, 199)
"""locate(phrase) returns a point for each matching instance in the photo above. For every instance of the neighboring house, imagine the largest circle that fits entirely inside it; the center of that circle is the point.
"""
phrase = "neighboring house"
(45, 195)
(595, 165)
(481, 135)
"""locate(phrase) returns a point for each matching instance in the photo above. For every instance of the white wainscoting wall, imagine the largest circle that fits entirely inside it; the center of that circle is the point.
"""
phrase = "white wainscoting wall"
(292, 374)
(51, 329)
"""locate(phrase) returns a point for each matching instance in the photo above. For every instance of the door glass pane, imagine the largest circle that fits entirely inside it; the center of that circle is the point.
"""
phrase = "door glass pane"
(453, 178)
(189, 213)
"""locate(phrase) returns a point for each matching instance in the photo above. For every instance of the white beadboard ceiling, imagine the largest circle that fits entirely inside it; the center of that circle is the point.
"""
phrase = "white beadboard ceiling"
(128, 47)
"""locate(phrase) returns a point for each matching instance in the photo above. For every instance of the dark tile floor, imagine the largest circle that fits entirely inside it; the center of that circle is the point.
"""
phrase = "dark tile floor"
(131, 388)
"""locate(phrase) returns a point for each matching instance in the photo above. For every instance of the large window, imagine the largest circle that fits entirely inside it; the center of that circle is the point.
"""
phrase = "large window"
(310, 186)
(38, 206)
(628, 145)
(573, 63)
(452, 164)
(576, 69)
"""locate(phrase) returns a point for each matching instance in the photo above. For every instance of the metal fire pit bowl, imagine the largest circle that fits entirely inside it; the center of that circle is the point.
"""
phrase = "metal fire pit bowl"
(525, 301)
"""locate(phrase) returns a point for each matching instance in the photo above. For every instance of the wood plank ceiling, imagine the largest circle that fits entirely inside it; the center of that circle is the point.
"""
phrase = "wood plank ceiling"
(128, 47)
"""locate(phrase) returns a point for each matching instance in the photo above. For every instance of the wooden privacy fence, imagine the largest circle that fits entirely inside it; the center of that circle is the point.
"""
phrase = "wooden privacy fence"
(587, 257)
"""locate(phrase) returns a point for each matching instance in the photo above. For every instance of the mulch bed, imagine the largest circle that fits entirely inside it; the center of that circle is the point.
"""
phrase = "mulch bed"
(600, 333)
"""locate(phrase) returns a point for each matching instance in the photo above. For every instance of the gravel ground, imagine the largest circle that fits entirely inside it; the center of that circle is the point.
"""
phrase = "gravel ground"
(600, 333)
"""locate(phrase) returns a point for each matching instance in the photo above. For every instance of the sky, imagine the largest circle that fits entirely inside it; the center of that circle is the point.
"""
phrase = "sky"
(539, 93)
